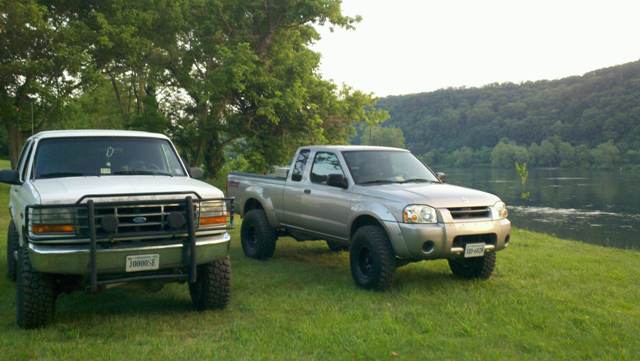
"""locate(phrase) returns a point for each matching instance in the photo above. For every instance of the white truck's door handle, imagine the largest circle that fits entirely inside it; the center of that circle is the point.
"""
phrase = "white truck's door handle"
(307, 191)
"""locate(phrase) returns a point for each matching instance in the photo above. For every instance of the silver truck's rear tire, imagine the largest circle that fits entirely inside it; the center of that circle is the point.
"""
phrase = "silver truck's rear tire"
(212, 289)
(12, 248)
(257, 236)
(479, 267)
(35, 295)
(372, 259)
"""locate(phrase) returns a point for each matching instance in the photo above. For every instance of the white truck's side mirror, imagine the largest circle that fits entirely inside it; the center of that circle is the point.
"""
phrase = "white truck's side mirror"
(10, 176)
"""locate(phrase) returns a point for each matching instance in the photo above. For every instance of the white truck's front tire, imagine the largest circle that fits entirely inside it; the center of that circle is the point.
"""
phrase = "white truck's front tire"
(35, 294)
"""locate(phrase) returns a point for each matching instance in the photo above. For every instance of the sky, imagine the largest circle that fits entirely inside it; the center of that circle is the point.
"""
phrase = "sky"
(412, 46)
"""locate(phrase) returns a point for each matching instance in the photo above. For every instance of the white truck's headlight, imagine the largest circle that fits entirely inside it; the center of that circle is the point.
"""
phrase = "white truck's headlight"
(500, 210)
(53, 221)
(213, 214)
(419, 214)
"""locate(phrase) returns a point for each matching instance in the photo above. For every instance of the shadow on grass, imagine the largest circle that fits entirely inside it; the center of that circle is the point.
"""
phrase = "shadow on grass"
(311, 262)
(122, 301)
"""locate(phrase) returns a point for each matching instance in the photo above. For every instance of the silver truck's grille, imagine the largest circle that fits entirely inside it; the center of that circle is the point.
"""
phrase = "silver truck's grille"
(470, 212)
(461, 241)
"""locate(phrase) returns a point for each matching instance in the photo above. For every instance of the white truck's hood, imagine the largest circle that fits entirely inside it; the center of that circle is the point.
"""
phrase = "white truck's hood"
(72, 189)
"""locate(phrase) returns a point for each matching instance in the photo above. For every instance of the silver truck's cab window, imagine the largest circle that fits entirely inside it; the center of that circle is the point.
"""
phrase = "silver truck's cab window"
(298, 167)
(325, 163)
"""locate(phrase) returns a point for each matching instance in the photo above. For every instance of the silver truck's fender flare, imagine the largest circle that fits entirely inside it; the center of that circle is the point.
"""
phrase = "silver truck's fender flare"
(257, 193)
(387, 221)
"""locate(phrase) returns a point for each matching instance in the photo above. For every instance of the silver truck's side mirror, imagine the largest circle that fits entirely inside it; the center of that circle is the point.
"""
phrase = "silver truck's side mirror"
(196, 172)
(442, 177)
(10, 176)
(337, 180)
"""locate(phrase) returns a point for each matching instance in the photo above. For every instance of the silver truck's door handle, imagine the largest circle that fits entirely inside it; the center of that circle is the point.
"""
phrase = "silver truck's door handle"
(307, 191)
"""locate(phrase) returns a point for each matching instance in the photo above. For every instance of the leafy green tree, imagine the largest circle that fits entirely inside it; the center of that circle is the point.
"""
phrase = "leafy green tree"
(40, 64)
(462, 157)
(214, 74)
(547, 156)
(585, 110)
(505, 154)
(567, 155)
(606, 155)
(583, 156)
(383, 136)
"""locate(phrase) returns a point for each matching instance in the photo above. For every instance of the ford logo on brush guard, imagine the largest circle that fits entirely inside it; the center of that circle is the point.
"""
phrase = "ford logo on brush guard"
(139, 220)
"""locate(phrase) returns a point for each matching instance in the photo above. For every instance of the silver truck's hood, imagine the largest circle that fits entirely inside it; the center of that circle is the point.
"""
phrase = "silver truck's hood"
(436, 195)
(71, 189)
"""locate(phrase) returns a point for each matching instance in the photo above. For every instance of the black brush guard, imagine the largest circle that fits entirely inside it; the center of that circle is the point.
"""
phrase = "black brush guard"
(189, 243)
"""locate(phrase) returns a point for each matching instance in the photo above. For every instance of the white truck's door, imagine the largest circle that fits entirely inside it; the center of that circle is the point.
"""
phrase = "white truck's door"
(21, 194)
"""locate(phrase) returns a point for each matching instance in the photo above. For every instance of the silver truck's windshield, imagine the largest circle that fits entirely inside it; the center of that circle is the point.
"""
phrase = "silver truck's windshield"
(386, 166)
(105, 156)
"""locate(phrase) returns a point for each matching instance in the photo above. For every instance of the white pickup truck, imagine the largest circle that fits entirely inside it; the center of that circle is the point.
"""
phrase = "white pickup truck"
(97, 208)
(382, 204)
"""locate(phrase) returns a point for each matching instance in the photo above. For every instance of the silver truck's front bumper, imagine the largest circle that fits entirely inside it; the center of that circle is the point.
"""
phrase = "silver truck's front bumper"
(433, 241)
(74, 259)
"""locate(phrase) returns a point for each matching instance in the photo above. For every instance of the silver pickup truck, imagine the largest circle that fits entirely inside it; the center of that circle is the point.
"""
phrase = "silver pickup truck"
(382, 204)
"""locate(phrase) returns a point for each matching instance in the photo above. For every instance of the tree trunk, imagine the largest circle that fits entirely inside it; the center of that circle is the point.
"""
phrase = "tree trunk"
(14, 142)
(214, 155)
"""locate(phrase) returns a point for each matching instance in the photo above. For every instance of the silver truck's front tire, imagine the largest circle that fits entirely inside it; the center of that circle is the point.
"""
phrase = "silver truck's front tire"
(257, 236)
(372, 259)
(212, 289)
(35, 294)
(479, 267)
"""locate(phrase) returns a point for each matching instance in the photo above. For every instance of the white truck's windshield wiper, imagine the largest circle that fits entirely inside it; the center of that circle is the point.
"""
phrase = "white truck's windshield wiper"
(141, 172)
(417, 180)
(62, 174)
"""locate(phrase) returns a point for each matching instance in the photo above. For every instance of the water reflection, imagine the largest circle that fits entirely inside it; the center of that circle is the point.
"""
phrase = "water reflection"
(594, 206)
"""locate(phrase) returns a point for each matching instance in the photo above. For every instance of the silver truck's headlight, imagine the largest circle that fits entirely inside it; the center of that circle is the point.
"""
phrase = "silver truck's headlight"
(499, 210)
(213, 214)
(52, 221)
(419, 214)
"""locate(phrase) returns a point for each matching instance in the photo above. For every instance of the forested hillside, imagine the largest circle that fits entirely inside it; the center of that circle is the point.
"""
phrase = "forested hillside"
(589, 120)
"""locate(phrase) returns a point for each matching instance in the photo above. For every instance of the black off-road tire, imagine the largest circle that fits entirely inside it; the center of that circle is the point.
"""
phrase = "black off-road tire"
(257, 236)
(478, 267)
(372, 259)
(212, 289)
(35, 294)
(336, 247)
(13, 242)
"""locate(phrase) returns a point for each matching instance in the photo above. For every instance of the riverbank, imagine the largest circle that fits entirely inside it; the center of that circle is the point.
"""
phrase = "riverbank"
(549, 299)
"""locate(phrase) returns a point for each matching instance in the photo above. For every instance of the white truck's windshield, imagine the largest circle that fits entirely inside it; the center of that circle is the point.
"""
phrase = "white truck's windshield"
(105, 156)
(386, 166)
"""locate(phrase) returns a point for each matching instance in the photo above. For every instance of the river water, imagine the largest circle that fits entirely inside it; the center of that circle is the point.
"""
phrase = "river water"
(594, 206)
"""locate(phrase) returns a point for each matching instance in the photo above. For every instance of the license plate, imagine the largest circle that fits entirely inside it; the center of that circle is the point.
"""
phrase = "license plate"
(142, 262)
(474, 250)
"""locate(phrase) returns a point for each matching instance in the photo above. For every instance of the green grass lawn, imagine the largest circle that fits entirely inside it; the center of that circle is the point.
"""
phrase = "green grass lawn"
(549, 299)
